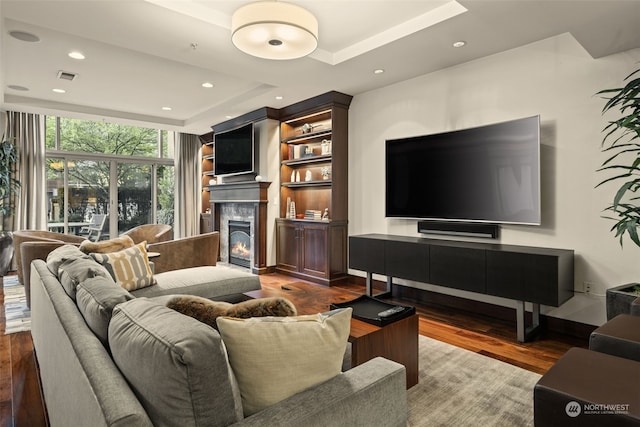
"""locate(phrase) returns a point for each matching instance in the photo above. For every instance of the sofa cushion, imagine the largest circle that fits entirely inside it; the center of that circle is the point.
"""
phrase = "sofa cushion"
(207, 311)
(219, 282)
(276, 357)
(176, 365)
(59, 255)
(105, 246)
(74, 271)
(129, 267)
(96, 299)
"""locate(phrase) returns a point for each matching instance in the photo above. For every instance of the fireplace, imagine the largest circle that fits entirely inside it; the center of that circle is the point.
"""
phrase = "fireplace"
(242, 201)
(240, 243)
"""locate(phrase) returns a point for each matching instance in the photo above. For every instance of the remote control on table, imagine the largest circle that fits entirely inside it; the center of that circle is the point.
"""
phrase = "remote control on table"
(390, 312)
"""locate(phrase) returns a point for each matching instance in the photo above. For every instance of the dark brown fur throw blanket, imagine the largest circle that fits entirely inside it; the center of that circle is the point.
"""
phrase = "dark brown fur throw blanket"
(207, 311)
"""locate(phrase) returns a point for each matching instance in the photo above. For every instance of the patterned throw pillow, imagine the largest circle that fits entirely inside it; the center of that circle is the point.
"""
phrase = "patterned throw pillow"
(276, 357)
(129, 267)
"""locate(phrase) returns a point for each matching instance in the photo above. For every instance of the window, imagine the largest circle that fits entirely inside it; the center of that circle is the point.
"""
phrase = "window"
(96, 169)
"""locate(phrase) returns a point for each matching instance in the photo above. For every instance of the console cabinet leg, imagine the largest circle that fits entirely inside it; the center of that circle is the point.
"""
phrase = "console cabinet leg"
(525, 332)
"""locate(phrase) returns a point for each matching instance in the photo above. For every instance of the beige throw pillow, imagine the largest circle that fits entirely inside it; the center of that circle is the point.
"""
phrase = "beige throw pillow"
(276, 357)
(129, 267)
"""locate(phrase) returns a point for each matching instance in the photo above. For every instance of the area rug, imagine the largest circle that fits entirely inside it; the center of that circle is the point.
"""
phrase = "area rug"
(459, 388)
(16, 312)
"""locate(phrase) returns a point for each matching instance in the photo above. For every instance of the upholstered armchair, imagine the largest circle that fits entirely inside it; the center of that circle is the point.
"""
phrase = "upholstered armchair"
(152, 233)
(24, 236)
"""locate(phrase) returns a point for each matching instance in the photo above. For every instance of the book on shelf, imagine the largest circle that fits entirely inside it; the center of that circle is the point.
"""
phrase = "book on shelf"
(313, 214)
(299, 150)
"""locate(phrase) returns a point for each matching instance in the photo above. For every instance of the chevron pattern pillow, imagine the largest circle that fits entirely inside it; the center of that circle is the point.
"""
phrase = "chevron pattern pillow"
(129, 267)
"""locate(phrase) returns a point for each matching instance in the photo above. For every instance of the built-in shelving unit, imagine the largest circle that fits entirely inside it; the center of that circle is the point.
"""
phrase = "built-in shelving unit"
(312, 242)
(208, 173)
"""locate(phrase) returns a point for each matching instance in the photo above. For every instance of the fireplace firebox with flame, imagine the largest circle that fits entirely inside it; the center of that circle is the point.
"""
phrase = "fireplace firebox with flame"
(240, 243)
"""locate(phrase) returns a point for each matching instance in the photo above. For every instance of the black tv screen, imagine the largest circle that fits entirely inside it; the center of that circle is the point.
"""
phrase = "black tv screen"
(234, 151)
(483, 174)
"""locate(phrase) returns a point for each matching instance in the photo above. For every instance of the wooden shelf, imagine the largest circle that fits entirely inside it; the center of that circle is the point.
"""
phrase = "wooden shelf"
(307, 137)
(307, 160)
(326, 182)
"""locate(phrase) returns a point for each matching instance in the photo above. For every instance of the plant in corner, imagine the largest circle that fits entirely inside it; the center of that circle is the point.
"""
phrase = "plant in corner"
(622, 141)
(9, 185)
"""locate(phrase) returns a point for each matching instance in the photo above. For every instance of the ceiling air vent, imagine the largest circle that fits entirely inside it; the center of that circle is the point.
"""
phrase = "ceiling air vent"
(66, 75)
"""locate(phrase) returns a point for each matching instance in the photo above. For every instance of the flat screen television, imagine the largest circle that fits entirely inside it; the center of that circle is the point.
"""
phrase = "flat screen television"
(485, 174)
(234, 151)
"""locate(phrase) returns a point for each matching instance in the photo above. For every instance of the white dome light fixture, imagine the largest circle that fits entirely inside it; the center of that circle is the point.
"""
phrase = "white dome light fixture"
(274, 30)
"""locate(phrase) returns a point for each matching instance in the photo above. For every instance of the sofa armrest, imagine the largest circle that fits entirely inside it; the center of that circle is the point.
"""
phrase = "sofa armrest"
(187, 252)
(373, 393)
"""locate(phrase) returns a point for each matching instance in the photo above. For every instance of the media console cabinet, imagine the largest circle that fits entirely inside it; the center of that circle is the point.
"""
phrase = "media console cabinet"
(521, 273)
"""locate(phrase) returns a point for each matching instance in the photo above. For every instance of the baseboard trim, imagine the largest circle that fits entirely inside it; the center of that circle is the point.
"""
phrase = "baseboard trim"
(571, 328)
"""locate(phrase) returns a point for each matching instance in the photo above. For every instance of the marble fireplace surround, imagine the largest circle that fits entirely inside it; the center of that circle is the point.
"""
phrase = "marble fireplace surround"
(242, 201)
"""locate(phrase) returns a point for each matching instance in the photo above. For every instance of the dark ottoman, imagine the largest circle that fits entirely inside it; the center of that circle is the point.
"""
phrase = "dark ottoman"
(587, 388)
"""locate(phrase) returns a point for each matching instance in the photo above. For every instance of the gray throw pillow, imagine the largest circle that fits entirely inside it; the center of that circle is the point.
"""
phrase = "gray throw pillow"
(96, 299)
(176, 365)
(72, 272)
(62, 254)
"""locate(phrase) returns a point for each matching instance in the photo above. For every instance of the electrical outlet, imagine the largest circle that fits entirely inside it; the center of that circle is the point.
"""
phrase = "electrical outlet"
(588, 286)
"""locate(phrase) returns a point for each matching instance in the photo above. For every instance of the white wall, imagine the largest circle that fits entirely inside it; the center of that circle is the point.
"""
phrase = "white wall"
(555, 78)
(269, 170)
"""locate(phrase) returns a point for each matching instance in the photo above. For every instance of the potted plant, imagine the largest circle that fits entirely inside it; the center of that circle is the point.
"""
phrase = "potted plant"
(8, 185)
(622, 141)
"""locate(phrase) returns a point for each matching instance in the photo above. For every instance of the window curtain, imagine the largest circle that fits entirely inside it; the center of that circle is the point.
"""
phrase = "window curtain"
(187, 179)
(27, 132)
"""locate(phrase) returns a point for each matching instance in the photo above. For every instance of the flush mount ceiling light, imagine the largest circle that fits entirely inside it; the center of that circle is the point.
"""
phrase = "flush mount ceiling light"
(274, 30)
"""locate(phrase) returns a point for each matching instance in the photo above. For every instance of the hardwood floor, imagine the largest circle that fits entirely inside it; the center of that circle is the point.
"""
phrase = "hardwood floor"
(21, 401)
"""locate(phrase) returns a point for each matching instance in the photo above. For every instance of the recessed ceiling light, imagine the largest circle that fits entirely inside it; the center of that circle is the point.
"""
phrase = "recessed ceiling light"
(59, 90)
(207, 85)
(76, 55)
(24, 36)
(167, 108)
(378, 71)
(279, 98)
(459, 43)
(17, 87)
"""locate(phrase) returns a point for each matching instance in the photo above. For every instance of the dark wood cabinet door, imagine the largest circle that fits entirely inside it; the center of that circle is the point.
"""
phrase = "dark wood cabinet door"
(314, 253)
(367, 254)
(288, 247)
(460, 268)
(541, 280)
(407, 260)
(506, 274)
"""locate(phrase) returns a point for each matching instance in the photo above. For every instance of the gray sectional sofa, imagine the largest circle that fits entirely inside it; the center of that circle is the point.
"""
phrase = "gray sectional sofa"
(84, 385)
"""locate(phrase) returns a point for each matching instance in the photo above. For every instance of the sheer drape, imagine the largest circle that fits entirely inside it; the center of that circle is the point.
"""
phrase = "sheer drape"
(27, 132)
(187, 180)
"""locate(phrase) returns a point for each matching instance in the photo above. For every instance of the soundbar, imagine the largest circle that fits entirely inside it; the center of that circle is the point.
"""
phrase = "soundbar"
(490, 231)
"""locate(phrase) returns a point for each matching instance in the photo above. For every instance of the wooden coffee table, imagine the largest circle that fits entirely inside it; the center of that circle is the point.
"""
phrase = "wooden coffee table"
(397, 341)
